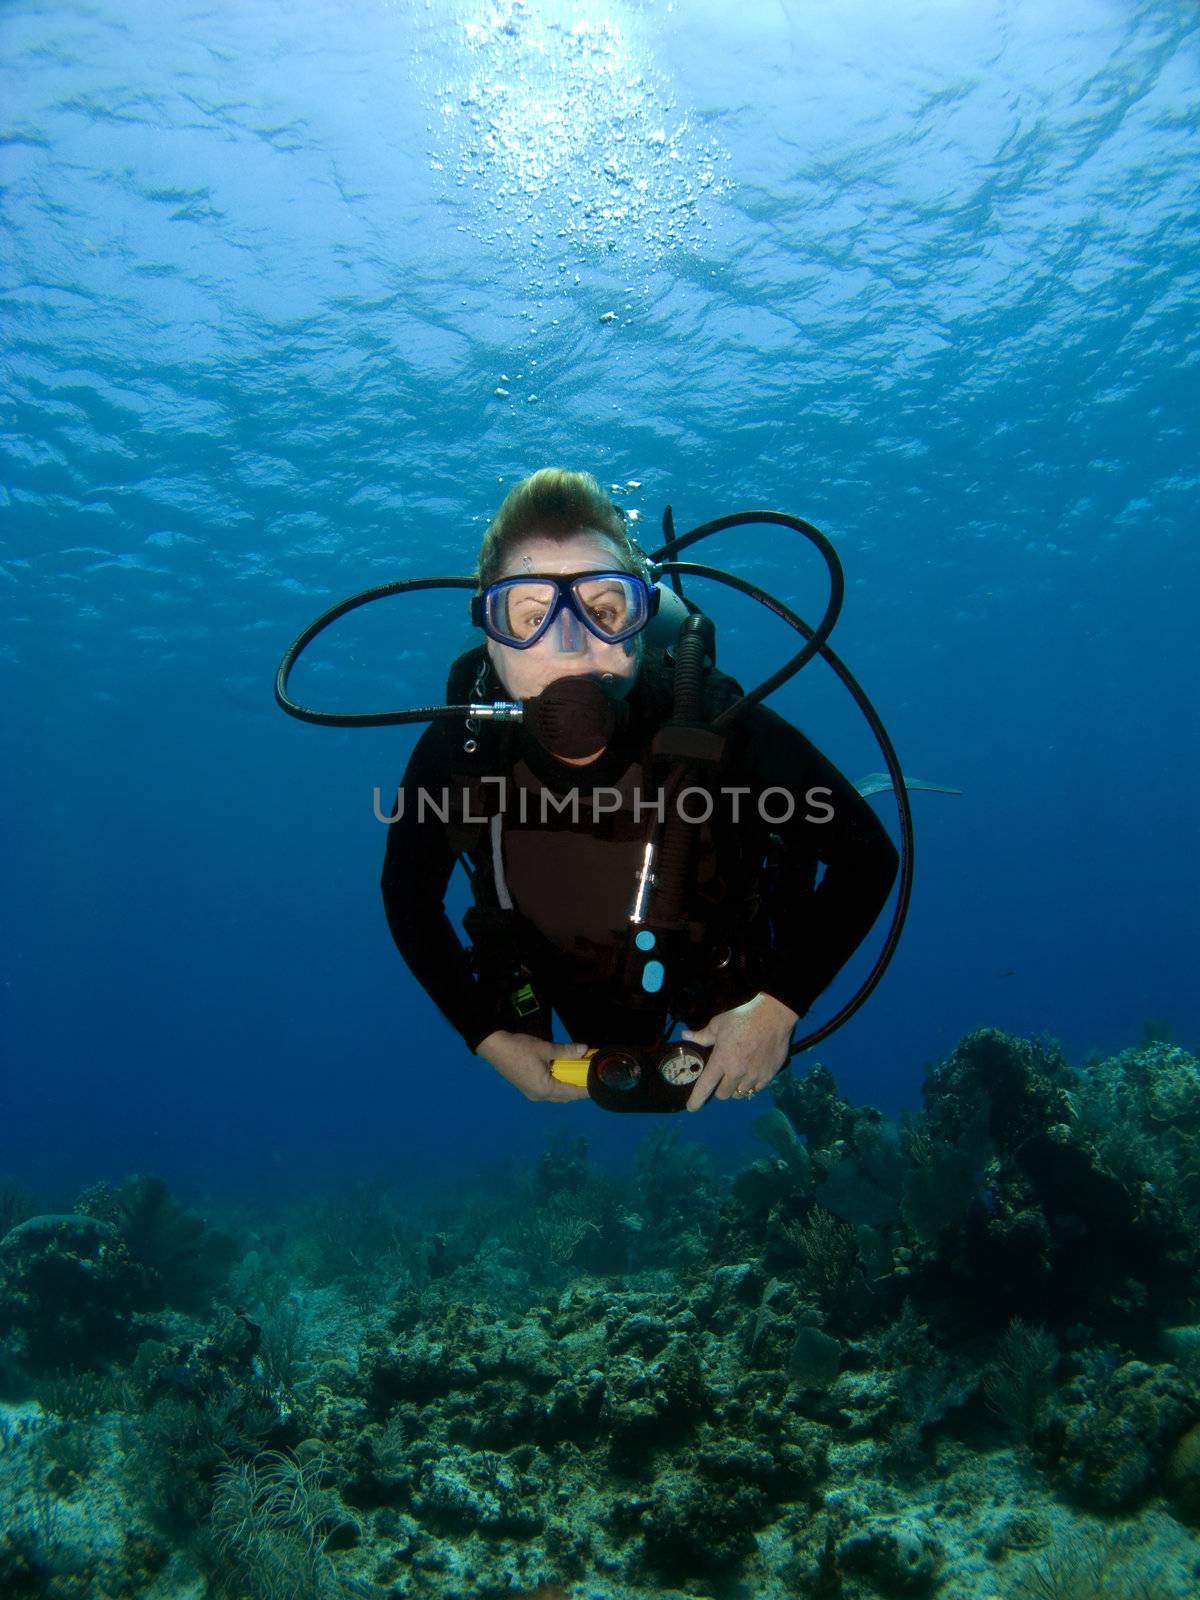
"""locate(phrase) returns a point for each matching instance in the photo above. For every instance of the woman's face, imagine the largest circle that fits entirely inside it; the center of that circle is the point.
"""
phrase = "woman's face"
(525, 673)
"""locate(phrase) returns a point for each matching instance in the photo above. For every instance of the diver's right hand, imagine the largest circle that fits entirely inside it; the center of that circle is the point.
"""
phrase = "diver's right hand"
(525, 1062)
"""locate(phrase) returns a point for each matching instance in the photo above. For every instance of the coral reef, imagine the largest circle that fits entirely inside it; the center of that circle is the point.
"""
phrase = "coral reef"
(955, 1355)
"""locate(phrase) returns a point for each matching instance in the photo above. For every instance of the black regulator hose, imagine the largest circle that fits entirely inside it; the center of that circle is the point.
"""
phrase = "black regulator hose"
(907, 842)
(697, 639)
(365, 719)
(907, 859)
(816, 645)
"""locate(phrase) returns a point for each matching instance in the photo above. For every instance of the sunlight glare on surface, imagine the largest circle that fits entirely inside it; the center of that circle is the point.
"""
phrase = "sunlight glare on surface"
(560, 119)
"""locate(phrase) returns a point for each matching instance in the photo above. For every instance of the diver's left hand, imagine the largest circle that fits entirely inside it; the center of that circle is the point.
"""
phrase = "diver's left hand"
(750, 1045)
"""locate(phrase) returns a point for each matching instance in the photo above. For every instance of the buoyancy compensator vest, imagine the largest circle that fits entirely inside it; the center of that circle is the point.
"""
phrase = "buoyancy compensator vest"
(556, 853)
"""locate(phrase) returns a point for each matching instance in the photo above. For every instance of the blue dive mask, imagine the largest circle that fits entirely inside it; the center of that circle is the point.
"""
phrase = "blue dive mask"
(520, 611)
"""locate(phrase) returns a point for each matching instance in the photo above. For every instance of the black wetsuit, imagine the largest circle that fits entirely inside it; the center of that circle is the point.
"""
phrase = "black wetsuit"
(572, 883)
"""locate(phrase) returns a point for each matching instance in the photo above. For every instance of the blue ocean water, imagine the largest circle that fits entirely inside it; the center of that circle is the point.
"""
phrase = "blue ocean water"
(292, 295)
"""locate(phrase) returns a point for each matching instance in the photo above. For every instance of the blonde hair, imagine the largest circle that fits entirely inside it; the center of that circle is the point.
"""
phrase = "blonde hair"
(554, 504)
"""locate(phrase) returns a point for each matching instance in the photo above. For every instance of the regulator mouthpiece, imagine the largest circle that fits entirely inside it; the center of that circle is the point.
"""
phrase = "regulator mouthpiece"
(572, 717)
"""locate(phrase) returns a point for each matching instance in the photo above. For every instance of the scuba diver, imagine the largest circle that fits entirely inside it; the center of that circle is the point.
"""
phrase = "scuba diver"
(647, 844)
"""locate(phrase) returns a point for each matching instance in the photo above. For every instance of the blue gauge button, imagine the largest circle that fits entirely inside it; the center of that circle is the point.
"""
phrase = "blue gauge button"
(653, 974)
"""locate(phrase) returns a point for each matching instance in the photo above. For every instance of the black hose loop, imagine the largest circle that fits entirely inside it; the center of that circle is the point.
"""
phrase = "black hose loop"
(366, 719)
(817, 644)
